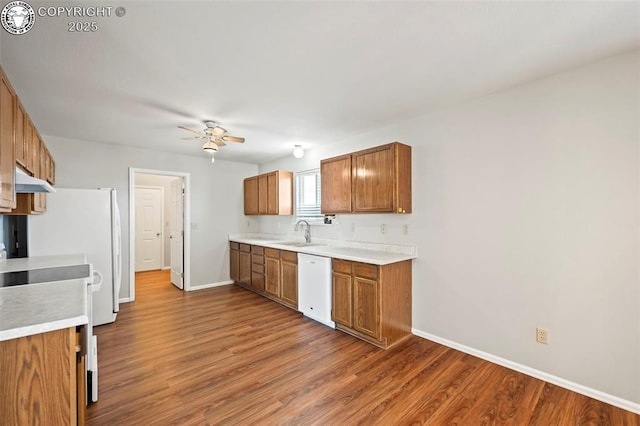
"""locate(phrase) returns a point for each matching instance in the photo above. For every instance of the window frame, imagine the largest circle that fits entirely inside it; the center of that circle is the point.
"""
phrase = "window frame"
(316, 212)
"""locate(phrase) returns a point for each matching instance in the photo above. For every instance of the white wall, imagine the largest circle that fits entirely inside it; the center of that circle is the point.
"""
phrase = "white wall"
(526, 214)
(163, 182)
(216, 196)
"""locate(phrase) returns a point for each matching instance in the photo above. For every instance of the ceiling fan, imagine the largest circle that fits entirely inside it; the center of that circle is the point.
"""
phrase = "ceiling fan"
(214, 137)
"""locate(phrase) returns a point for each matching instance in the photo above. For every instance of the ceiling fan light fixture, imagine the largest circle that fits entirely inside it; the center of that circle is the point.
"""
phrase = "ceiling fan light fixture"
(298, 152)
(210, 147)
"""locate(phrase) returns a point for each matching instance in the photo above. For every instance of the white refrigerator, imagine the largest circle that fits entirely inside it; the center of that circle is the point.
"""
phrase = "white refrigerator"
(84, 221)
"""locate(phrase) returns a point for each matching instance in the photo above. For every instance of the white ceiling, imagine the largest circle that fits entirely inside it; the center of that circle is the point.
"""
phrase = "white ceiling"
(280, 73)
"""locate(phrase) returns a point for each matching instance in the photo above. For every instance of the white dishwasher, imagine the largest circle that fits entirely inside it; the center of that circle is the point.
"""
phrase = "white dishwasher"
(314, 288)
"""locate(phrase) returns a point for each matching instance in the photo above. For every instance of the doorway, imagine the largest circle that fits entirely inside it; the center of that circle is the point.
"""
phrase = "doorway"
(158, 211)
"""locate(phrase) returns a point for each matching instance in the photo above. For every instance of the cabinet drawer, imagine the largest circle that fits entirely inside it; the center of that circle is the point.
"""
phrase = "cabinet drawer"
(257, 249)
(289, 256)
(365, 270)
(245, 248)
(273, 253)
(343, 266)
(257, 258)
(256, 268)
(235, 246)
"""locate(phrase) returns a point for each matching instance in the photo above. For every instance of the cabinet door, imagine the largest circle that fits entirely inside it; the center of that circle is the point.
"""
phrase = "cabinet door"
(40, 198)
(272, 276)
(335, 178)
(39, 379)
(7, 144)
(272, 193)
(234, 265)
(245, 267)
(373, 180)
(366, 306)
(251, 196)
(22, 143)
(342, 305)
(289, 283)
(263, 194)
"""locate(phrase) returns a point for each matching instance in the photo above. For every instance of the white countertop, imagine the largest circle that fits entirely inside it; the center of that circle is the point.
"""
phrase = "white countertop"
(40, 262)
(37, 308)
(377, 254)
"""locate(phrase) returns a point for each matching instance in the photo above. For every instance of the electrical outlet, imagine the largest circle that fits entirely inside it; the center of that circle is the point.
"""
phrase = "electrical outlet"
(542, 335)
(405, 229)
(383, 228)
(194, 226)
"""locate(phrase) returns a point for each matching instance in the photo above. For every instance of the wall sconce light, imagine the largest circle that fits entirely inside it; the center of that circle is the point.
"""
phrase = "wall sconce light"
(298, 152)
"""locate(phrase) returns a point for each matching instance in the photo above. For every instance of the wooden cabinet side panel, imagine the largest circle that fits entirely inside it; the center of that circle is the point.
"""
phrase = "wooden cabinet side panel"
(403, 179)
(342, 303)
(7, 144)
(335, 183)
(395, 298)
(366, 306)
(373, 180)
(38, 373)
(289, 283)
(272, 276)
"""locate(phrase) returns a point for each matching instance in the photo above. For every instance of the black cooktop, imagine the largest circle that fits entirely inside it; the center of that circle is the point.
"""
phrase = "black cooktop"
(58, 273)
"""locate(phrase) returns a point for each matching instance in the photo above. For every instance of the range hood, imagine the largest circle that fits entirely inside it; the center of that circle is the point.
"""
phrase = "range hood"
(28, 184)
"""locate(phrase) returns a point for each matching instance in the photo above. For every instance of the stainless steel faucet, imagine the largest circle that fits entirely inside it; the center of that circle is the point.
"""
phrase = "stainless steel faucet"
(307, 231)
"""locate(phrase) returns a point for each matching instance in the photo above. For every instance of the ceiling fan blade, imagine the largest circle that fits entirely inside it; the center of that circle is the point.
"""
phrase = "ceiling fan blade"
(233, 139)
(219, 142)
(218, 131)
(190, 139)
(189, 130)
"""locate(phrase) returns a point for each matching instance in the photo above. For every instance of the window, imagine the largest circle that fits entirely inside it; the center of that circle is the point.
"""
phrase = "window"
(308, 194)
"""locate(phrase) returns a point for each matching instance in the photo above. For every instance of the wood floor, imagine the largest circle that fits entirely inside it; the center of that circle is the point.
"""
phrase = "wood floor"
(227, 356)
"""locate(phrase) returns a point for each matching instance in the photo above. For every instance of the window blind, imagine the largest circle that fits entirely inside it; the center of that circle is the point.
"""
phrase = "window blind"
(308, 194)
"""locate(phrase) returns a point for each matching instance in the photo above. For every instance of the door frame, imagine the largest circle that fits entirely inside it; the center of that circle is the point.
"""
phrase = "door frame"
(186, 242)
(161, 220)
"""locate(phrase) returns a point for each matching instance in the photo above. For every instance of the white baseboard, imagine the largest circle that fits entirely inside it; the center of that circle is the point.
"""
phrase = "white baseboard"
(124, 300)
(203, 286)
(572, 386)
(164, 268)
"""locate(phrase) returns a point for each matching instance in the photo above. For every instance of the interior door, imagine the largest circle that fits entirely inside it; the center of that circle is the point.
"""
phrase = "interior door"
(148, 228)
(176, 234)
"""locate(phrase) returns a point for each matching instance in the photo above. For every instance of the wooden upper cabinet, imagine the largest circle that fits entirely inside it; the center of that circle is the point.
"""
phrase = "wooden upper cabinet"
(375, 180)
(251, 196)
(335, 178)
(263, 194)
(269, 193)
(22, 140)
(7, 144)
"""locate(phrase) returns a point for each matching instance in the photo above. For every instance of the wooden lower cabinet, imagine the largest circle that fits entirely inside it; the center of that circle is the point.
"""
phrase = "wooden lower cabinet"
(372, 302)
(234, 261)
(42, 379)
(342, 288)
(244, 261)
(270, 272)
(289, 278)
(257, 268)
